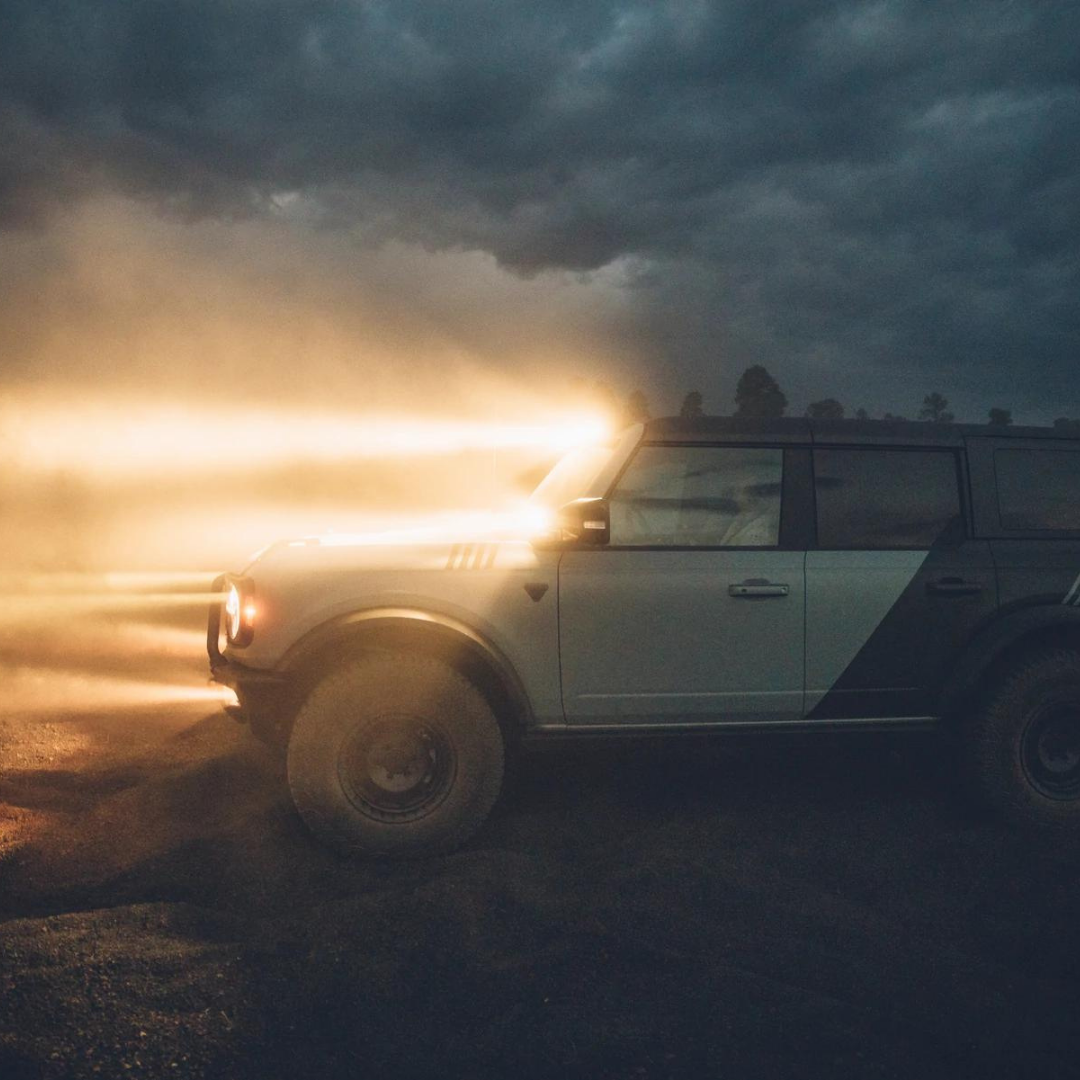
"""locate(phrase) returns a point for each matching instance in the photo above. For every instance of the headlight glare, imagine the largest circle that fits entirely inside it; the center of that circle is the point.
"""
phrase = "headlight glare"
(232, 613)
(239, 614)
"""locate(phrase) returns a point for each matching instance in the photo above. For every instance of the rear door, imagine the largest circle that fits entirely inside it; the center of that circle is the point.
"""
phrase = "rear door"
(895, 587)
(693, 613)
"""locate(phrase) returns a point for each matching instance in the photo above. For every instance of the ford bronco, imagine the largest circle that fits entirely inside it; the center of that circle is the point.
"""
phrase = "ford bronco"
(710, 574)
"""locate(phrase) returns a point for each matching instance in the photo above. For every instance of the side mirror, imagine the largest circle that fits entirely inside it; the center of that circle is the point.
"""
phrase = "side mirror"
(581, 523)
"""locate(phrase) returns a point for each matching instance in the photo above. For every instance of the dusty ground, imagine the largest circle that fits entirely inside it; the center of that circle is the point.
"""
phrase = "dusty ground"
(781, 909)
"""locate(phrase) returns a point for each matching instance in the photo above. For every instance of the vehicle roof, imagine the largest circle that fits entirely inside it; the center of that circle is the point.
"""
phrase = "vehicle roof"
(792, 429)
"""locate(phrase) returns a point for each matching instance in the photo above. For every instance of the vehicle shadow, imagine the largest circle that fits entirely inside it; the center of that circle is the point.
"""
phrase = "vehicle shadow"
(770, 777)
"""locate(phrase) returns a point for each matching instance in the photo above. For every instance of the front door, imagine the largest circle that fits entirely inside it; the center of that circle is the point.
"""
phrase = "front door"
(693, 613)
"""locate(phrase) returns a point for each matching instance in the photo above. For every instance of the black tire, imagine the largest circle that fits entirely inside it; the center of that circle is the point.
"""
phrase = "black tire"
(395, 755)
(1023, 746)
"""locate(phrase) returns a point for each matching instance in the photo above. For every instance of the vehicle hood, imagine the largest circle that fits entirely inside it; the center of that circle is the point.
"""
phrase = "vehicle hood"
(342, 553)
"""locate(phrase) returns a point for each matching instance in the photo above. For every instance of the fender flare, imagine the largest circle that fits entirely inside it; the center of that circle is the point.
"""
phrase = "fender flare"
(409, 627)
(1029, 625)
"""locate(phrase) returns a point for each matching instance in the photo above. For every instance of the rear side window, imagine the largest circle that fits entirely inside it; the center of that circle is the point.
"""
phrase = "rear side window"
(885, 498)
(1038, 489)
(698, 496)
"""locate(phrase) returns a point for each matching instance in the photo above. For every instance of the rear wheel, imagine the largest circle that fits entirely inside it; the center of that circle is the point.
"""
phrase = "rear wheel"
(1024, 746)
(395, 754)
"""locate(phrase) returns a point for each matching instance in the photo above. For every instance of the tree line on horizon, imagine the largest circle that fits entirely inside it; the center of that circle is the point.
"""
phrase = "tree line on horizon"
(758, 396)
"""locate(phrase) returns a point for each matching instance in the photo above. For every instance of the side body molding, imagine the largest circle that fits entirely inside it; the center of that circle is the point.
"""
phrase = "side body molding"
(413, 628)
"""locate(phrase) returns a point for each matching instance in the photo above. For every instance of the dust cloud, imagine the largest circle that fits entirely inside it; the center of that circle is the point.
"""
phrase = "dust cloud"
(117, 298)
(176, 394)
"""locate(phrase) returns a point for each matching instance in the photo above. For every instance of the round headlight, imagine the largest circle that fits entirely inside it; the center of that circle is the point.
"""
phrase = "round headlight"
(232, 613)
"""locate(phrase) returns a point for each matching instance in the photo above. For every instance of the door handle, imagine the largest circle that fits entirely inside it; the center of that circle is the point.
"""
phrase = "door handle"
(954, 586)
(757, 587)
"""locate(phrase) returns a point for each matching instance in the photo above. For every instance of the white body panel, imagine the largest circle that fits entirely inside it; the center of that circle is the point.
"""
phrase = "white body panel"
(300, 586)
(654, 637)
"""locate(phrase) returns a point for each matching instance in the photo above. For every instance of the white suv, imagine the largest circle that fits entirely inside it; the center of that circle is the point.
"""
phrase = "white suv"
(706, 574)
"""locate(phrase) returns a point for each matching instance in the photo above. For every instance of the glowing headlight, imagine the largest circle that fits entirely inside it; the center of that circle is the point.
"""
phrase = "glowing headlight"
(239, 616)
(232, 613)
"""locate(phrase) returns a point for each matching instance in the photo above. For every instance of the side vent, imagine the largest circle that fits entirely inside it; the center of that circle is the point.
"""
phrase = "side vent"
(472, 556)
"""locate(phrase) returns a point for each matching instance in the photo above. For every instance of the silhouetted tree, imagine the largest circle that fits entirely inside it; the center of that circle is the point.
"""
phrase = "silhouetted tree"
(692, 406)
(636, 409)
(936, 408)
(1000, 417)
(861, 414)
(892, 416)
(1063, 423)
(758, 395)
(825, 409)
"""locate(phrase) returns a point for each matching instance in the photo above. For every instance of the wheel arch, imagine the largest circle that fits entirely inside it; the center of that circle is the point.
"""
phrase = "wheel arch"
(1002, 644)
(420, 632)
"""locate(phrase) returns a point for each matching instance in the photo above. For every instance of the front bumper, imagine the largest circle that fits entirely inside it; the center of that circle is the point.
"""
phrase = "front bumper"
(265, 698)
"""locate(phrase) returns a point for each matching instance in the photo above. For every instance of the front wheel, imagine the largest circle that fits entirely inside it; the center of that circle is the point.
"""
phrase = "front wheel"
(395, 755)
(1024, 746)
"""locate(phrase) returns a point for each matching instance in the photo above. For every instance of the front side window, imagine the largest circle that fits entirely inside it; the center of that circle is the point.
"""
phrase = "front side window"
(698, 496)
(881, 499)
(1038, 489)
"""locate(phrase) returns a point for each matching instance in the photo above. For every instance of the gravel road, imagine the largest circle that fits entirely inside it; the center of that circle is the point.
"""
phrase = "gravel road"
(782, 908)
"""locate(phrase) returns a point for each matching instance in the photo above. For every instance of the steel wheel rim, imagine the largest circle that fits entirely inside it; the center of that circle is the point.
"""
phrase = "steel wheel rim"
(1050, 751)
(397, 768)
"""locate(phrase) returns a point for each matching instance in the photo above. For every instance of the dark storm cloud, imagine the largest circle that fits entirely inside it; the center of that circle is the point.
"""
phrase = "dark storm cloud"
(869, 197)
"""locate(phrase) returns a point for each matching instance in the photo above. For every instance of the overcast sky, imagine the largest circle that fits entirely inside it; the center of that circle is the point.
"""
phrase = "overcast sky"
(874, 200)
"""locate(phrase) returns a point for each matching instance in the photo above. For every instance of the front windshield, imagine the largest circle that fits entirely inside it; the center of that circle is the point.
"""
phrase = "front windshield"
(571, 476)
